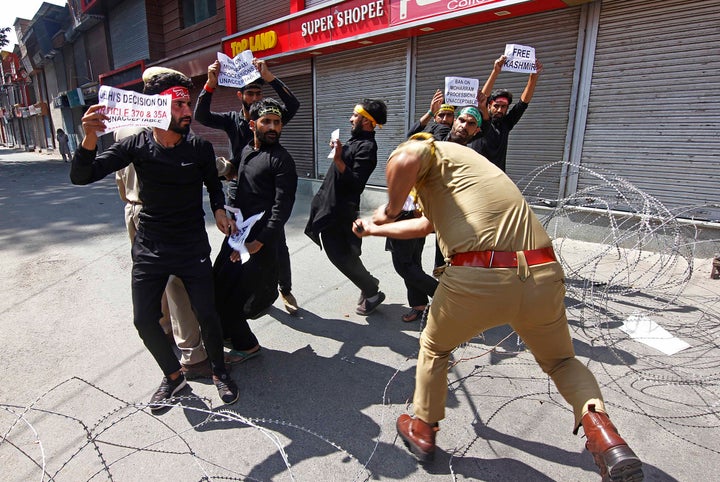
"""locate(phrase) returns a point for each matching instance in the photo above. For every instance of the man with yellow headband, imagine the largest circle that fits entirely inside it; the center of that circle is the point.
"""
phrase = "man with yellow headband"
(336, 204)
(442, 114)
(172, 165)
(502, 270)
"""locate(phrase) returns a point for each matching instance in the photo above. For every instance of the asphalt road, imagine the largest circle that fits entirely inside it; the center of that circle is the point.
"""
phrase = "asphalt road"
(320, 403)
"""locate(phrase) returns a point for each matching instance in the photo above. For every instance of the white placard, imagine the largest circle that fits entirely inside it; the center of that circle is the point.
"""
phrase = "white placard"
(520, 58)
(237, 240)
(644, 330)
(126, 108)
(237, 71)
(333, 137)
(461, 91)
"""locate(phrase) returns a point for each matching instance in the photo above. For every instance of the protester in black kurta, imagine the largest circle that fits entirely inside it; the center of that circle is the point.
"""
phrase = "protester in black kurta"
(336, 204)
(172, 166)
(237, 127)
(267, 181)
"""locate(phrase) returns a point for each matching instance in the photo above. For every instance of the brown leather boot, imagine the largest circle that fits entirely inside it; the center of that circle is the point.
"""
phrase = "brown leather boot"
(419, 436)
(611, 453)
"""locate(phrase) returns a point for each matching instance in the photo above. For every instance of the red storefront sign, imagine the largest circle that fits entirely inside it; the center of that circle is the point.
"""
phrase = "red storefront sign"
(373, 21)
(342, 21)
(404, 11)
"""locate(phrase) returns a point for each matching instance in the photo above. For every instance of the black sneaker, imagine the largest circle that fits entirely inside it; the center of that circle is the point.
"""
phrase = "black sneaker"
(226, 388)
(368, 305)
(168, 388)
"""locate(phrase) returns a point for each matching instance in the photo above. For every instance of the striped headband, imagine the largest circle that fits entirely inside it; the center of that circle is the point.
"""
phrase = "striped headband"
(269, 109)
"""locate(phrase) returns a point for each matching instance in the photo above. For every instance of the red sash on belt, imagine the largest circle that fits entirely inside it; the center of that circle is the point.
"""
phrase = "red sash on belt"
(502, 259)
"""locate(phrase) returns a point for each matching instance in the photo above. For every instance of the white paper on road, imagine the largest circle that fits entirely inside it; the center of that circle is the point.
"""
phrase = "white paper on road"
(237, 71)
(520, 58)
(126, 108)
(333, 137)
(237, 240)
(461, 91)
(644, 330)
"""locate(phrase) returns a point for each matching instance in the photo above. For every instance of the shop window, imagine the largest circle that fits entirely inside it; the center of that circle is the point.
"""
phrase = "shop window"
(195, 11)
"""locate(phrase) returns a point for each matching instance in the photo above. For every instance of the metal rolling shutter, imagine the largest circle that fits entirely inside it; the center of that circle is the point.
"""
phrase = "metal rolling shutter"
(654, 109)
(224, 100)
(81, 62)
(128, 32)
(297, 135)
(314, 3)
(539, 137)
(96, 47)
(251, 13)
(344, 79)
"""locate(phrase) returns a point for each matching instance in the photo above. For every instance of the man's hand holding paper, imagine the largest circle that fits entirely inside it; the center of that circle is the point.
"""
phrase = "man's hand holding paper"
(240, 231)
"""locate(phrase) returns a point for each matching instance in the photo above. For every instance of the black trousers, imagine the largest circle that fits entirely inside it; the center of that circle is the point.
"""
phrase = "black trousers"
(407, 261)
(153, 263)
(244, 291)
(283, 258)
(343, 249)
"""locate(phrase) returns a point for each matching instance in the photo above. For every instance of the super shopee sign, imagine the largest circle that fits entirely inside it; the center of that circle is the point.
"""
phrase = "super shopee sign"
(319, 27)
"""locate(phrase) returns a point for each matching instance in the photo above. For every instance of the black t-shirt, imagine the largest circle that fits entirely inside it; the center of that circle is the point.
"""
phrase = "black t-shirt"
(170, 180)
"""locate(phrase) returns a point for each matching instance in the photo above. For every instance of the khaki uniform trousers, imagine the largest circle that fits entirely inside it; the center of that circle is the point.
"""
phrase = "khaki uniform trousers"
(471, 300)
(178, 315)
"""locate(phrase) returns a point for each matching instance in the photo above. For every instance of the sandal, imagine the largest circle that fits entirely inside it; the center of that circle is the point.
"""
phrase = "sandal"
(412, 315)
(234, 357)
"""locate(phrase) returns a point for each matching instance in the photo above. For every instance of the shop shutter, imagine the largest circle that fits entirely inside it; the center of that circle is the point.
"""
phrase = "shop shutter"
(96, 46)
(128, 33)
(80, 57)
(251, 13)
(654, 109)
(224, 99)
(315, 3)
(297, 135)
(343, 80)
(540, 136)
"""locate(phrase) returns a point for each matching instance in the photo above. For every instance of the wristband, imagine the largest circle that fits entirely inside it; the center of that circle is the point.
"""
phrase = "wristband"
(394, 218)
(208, 89)
(431, 113)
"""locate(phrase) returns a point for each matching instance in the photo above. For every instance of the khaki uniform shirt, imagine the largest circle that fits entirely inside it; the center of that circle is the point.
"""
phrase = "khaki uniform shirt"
(474, 206)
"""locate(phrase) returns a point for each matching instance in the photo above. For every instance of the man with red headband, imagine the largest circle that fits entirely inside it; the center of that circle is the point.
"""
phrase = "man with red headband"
(172, 165)
(336, 204)
(502, 269)
(494, 141)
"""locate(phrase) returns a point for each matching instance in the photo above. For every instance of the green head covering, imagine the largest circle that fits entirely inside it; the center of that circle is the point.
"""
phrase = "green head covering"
(472, 111)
